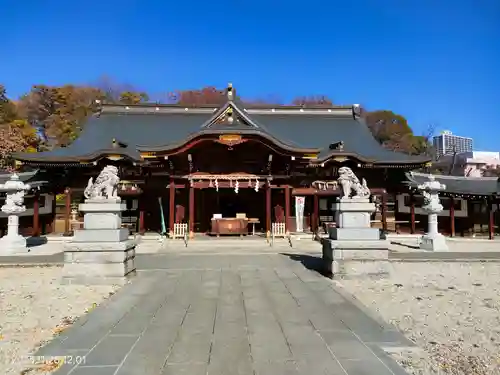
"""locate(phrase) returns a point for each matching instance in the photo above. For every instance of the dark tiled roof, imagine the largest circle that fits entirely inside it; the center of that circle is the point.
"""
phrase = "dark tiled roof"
(459, 185)
(313, 130)
(154, 128)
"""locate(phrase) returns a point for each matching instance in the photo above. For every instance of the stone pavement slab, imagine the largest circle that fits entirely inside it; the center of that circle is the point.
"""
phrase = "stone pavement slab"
(227, 314)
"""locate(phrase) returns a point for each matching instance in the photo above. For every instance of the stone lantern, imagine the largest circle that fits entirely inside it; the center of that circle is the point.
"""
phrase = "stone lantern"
(432, 240)
(15, 189)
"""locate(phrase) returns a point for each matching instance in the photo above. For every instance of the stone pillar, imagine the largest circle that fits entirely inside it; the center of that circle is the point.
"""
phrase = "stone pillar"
(432, 240)
(15, 189)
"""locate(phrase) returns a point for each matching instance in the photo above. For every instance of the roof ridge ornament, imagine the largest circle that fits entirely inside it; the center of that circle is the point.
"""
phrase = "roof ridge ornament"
(230, 92)
(117, 144)
(339, 146)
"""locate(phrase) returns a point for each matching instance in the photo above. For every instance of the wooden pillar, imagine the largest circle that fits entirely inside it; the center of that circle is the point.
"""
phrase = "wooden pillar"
(171, 208)
(452, 217)
(315, 225)
(142, 228)
(191, 211)
(491, 219)
(67, 212)
(36, 214)
(287, 208)
(412, 213)
(268, 209)
(384, 212)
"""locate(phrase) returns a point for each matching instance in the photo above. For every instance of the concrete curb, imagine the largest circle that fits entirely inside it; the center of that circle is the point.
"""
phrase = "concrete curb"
(337, 286)
(444, 256)
(457, 260)
(30, 265)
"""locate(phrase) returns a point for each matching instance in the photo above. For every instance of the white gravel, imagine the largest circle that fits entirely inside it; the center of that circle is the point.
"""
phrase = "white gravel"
(450, 310)
(33, 304)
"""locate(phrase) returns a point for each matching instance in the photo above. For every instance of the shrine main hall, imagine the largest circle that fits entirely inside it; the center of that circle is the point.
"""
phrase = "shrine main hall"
(229, 170)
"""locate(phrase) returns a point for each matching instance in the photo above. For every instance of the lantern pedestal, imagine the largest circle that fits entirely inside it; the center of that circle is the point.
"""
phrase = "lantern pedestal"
(432, 240)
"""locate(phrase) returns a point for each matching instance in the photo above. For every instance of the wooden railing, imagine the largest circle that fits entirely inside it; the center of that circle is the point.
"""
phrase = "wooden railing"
(181, 231)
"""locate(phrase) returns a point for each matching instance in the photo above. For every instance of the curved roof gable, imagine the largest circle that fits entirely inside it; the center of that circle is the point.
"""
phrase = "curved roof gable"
(150, 127)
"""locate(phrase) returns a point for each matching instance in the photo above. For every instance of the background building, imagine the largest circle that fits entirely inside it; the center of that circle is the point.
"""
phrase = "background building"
(469, 164)
(447, 143)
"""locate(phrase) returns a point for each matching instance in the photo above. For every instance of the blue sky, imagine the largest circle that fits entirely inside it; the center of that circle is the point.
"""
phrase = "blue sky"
(434, 61)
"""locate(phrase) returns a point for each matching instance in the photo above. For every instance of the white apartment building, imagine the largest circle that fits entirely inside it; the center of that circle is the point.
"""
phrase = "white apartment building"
(446, 143)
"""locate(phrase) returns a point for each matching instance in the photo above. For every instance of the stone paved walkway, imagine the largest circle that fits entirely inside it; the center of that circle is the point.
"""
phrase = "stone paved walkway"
(227, 314)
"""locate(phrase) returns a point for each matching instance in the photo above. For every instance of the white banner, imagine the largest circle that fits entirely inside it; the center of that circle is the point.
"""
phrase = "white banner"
(299, 213)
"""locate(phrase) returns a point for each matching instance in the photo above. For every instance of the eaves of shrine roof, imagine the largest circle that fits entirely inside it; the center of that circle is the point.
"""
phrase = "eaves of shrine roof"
(129, 130)
(458, 185)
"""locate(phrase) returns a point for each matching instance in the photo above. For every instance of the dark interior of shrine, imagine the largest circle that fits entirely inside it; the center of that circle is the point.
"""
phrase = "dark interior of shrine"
(228, 203)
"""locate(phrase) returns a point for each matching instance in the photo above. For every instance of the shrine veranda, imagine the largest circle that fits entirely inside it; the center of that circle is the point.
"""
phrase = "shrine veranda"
(237, 169)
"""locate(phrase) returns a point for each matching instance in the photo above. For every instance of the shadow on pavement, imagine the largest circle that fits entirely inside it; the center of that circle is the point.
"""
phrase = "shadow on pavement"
(310, 262)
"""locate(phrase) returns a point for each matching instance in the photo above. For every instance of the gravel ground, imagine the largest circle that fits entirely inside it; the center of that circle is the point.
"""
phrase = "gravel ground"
(33, 307)
(450, 310)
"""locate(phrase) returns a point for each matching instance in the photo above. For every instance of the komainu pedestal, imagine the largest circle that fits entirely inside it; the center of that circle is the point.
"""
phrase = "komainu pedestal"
(355, 249)
(101, 252)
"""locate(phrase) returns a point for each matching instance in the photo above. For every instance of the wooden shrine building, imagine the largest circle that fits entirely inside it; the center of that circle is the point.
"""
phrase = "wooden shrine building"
(224, 170)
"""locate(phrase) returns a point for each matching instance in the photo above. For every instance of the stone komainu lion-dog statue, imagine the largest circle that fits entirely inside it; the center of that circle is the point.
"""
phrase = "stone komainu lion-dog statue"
(351, 184)
(105, 185)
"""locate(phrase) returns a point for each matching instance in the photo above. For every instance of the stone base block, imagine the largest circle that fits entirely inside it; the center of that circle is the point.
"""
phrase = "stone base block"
(102, 205)
(436, 242)
(102, 220)
(101, 235)
(360, 269)
(360, 245)
(356, 258)
(354, 205)
(98, 257)
(98, 262)
(13, 245)
(119, 269)
(354, 234)
(99, 246)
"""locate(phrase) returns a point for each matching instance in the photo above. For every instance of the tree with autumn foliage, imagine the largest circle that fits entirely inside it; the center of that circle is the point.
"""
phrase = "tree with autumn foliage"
(205, 96)
(58, 112)
(312, 101)
(393, 132)
(15, 134)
